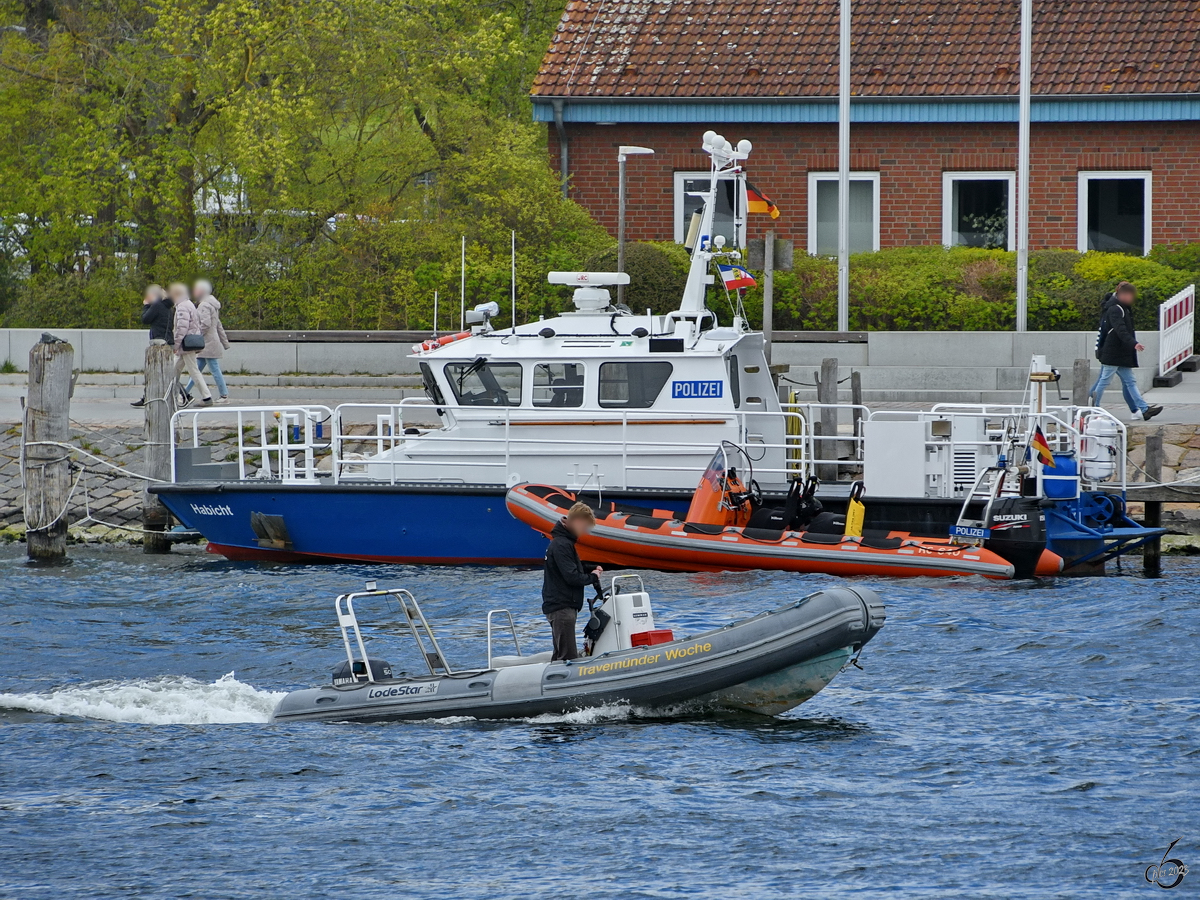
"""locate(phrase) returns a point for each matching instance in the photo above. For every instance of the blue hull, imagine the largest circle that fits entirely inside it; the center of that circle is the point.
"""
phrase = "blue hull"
(432, 525)
(465, 524)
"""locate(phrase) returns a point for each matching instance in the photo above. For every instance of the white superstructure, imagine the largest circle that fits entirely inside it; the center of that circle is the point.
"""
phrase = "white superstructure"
(600, 395)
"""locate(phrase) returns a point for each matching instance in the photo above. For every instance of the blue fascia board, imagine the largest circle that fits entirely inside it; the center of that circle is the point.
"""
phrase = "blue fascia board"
(821, 110)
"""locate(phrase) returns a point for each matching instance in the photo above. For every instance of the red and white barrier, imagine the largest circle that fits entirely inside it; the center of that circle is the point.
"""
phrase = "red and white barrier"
(1176, 326)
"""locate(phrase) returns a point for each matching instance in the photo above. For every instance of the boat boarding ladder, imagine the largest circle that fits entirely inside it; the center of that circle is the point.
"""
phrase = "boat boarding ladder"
(988, 484)
(417, 623)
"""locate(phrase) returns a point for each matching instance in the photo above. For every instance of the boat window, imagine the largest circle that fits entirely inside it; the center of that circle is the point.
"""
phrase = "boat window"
(432, 391)
(558, 384)
(735, 387)
(483, 383)
(632, 385)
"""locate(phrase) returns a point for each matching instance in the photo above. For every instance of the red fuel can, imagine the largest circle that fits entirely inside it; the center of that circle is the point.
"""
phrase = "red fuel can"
(650, 638)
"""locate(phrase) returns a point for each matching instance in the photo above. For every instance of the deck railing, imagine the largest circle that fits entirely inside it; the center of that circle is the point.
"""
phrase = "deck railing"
(498, 446)
(357, 442)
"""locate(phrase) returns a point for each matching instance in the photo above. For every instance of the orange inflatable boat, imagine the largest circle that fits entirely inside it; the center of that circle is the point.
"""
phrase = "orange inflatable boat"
(720, 533)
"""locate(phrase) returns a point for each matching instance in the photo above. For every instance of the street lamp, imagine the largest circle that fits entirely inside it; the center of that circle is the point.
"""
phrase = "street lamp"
(623, 153)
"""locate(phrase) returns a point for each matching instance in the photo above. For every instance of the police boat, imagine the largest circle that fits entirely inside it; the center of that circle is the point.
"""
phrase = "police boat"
(766, 664)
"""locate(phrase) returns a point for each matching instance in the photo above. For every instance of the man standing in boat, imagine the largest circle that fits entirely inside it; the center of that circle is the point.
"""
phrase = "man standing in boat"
(565, 577)
(1117, 349)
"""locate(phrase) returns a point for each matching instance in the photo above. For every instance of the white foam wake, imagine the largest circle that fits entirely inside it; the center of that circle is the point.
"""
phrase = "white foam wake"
(594, 715)
(169, 700)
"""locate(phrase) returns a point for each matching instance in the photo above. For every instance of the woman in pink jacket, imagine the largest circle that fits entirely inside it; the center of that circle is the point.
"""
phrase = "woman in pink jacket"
(187, 322)
(208, 308)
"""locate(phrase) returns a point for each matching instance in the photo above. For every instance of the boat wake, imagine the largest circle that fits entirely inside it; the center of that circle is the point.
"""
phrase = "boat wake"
(596, 715)
(168, 700)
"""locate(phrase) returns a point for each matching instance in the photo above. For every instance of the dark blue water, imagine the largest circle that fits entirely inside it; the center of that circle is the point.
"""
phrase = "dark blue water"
(1005, 740)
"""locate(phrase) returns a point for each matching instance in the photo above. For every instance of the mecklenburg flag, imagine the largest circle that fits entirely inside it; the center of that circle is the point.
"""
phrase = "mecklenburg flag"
(1039, 444)
(736, 277)
(758, 202)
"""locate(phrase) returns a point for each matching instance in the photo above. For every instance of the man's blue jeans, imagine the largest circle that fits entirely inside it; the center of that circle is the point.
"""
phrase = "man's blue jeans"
(214, 365)
(1129, 388)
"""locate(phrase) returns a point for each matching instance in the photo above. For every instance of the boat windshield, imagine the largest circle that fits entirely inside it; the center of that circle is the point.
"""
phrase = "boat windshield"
(483, 383)
(432, 391)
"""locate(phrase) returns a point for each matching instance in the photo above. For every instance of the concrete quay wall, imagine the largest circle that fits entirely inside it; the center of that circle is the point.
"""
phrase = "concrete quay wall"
(957, 360)
(912, 360)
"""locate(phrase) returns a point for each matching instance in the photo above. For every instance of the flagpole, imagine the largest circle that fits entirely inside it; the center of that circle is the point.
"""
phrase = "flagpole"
(462, 287)
(514, 279)
(1023, 166)
(843, 307)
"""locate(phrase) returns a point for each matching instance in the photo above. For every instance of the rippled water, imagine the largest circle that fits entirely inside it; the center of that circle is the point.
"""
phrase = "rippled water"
(1004, 740)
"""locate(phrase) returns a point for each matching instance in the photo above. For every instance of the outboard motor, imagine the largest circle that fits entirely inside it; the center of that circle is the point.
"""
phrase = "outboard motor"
(1018, 526)
(344, 673)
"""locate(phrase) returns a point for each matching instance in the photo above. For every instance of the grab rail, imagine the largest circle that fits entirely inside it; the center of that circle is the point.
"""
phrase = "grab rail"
(417, 623)
(511, 627)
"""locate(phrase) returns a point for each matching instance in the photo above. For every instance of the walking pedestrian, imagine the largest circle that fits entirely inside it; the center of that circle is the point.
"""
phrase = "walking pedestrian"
(159, 313)
(188, 342)
(208, 308)
(1117, 349)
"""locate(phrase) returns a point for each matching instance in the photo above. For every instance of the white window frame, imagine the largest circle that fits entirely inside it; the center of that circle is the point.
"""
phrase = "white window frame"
(948, 179)
(813, 178)
(681, 226)
(1113, 175)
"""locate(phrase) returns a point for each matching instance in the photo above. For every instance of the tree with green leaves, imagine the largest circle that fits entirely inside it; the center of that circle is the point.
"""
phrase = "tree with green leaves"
(318, 159)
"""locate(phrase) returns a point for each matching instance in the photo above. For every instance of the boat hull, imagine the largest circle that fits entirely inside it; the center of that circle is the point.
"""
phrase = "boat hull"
(418, 525)
(768, 663)
(672, 546)
(438, 524)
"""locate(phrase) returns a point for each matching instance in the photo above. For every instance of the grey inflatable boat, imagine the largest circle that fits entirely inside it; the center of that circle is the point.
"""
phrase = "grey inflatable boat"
(765, 664)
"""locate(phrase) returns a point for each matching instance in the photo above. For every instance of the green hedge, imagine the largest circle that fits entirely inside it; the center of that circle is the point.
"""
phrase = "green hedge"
(931, 288)
(383, 276)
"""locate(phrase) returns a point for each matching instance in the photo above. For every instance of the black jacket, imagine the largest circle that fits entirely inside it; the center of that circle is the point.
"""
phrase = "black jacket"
(565, 577)
(160, 316)
(1118, 344)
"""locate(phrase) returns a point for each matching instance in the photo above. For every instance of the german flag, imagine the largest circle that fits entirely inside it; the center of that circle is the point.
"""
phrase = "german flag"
(1041, 446)
(758, 202)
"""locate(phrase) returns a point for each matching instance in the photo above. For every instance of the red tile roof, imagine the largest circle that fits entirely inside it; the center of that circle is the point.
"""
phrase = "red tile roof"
(920, 48)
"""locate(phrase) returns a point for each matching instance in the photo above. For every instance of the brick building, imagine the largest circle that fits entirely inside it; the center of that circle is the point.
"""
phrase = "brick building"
(1115, 143)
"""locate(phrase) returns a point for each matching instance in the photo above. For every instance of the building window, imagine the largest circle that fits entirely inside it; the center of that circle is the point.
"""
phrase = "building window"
(632, 385)
(977, 209)
(481, 383)
(1114, 212)
(558, 384)
(725, 217)
(823, 212)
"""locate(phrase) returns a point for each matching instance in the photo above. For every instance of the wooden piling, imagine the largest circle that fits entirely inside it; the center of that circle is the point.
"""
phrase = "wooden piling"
(827, 392)
(46, 470)
(856, 415)
(161, 394)
(1081, 382)
(1152, 550)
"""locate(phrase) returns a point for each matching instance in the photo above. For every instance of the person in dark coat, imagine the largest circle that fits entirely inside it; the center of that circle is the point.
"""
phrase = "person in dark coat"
(158, 312)
(565, 577)
(1117, 349)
